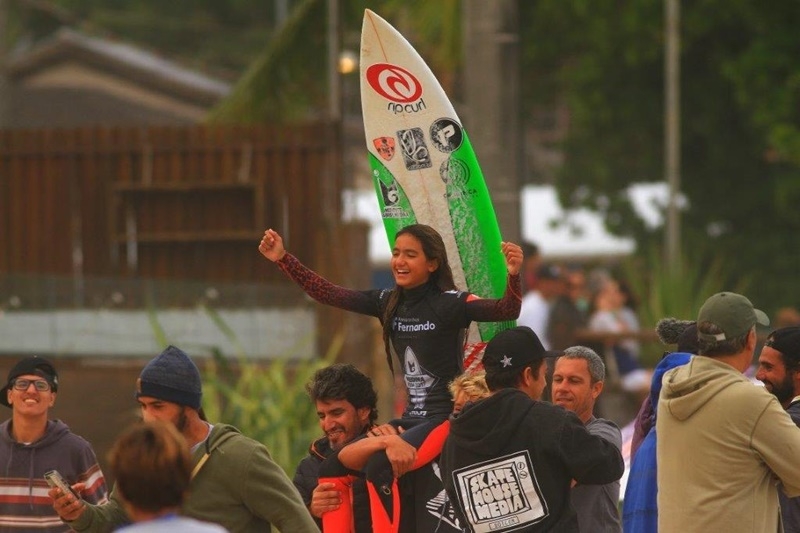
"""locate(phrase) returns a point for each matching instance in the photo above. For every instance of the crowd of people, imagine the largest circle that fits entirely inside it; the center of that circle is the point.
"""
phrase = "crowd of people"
(516, 446)
(567, 306)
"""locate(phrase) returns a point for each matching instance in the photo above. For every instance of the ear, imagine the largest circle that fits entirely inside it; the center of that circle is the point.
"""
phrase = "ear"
(433, 265)
(752, 337)
(190, 412)
(541, 374)
(531, 376)
(363, 415)
(597, 388)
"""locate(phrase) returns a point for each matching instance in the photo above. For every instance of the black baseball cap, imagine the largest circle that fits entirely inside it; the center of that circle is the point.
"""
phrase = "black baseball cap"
(35, 365)
(787, 341)
(514, 348)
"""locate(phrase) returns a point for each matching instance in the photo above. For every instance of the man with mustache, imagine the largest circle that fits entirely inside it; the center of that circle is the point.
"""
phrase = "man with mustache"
(779, 370)
(346, 406)
(578, 380)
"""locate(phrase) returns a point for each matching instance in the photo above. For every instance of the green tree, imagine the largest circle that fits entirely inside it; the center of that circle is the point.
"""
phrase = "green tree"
(288, 79)
(603, 60)
(739, 120)
(219, 35)
(280, 66)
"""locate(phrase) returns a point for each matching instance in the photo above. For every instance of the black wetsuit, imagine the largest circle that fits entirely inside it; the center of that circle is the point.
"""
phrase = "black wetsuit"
(428, 336)
(428, 333)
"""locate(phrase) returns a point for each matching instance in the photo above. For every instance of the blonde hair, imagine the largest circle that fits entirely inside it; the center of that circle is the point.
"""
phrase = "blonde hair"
(473, 384)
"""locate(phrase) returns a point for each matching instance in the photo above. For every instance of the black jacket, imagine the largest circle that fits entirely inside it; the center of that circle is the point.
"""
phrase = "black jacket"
(509, 461)
(306, 479)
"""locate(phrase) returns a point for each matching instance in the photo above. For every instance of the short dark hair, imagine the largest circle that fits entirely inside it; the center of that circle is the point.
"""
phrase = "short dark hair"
(530, 249)
(786, 341)
(152, 466)
(510, 378)
(790, 361)
(344, 382)
(711, 348)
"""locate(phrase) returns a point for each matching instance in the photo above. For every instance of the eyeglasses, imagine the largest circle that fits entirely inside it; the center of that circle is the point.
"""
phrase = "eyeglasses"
(23, 384)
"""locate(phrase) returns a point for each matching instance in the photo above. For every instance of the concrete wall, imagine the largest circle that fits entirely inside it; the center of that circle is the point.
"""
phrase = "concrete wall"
(98, 354)
(258, 333)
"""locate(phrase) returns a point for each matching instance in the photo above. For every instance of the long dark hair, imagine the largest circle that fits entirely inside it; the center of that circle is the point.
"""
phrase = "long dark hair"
(434, 250)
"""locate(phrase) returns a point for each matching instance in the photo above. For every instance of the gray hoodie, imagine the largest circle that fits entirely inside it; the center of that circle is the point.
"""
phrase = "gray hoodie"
(24, 502)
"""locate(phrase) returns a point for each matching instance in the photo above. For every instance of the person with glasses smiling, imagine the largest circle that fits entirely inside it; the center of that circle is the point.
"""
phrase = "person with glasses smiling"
(32, 444)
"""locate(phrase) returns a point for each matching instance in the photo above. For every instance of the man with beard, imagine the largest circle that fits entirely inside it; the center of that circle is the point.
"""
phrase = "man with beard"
(234, 481)
(721, 442)
(346, 406)
(578, 379)
(779, 370)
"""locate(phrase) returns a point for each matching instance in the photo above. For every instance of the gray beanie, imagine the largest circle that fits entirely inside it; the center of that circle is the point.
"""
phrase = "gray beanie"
(171, 377)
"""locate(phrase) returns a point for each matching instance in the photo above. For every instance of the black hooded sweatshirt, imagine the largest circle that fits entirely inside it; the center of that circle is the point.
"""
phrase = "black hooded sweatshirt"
(508, 463)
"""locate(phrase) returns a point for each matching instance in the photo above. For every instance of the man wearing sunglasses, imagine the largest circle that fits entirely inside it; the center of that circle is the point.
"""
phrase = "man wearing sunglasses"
(32, 444)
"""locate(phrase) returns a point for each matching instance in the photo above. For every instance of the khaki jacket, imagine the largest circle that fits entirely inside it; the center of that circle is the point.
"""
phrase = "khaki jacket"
(723, 442)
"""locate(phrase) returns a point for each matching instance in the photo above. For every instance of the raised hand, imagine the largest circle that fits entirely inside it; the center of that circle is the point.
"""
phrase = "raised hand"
(271, 245)
(513, 255)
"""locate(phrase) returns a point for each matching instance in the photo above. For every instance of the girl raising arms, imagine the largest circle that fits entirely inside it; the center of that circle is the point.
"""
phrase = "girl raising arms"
(425, 320)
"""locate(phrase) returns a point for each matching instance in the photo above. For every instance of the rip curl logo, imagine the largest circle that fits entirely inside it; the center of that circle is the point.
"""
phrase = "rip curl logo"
(501, 494)
(394, 83)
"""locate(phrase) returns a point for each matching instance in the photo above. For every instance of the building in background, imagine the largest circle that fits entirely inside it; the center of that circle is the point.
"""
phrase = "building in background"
(73, 80)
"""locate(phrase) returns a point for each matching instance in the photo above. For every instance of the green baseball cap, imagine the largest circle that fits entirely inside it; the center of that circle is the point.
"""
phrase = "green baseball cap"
(732, 313)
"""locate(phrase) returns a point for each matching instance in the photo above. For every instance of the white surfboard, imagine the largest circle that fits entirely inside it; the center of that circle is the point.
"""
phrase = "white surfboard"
(423, 165)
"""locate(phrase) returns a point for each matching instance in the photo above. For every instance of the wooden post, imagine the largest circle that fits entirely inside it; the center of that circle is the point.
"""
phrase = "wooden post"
(491, 89)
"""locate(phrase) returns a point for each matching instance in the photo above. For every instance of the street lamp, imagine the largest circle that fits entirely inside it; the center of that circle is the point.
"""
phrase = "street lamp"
(348, 62)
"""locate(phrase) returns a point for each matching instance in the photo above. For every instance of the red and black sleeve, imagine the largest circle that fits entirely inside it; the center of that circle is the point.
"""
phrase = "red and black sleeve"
(496, 310)
(325, 292)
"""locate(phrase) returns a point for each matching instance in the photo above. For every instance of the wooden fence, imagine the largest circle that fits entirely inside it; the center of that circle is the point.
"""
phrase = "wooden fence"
(166, 203)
